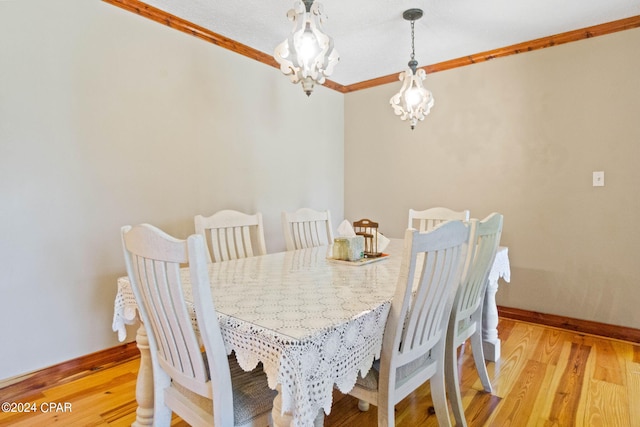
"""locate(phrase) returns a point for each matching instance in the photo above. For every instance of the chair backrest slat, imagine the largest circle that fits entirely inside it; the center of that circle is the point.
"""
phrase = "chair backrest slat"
(485, 238)
(232, 235)
(155, 264)
(243, 242)
(306, 228)
(430, 218)
(431, 269)
(157, 284)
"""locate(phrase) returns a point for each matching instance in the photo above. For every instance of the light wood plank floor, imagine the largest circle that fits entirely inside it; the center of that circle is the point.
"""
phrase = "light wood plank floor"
(546, 377)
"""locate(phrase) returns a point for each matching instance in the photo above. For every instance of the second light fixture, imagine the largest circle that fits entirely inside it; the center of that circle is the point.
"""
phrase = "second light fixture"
(413, 102)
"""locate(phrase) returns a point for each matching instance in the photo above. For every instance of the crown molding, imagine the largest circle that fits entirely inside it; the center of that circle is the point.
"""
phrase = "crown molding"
(140, 8)
(528, 46)
(177, 23)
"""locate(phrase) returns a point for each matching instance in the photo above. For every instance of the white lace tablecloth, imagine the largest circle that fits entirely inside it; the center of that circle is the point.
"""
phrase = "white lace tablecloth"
(490, 339)
(500, 268)
(311, 322)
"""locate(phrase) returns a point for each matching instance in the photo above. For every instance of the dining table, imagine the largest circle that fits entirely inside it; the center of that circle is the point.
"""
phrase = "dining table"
(313, 322)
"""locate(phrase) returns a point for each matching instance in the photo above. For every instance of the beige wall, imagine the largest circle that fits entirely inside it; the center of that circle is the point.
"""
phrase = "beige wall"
(521, 136)
(109, 119)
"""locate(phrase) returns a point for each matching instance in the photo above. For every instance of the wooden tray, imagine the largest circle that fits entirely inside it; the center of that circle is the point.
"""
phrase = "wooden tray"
(361, 261)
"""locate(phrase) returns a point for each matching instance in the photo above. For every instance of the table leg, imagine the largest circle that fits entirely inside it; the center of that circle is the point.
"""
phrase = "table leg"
(490, 340)
(144, 384)
(280, 419)
(319, 421)
(285, 420)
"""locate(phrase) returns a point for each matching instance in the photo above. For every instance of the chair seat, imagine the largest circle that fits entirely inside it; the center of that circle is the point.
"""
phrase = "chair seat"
(466, 327)
(370, 381)
(252, 397)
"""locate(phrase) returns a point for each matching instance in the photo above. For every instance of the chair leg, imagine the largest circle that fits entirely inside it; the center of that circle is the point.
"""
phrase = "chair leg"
(453, 384)
(386, 414)
(478, 357)
(439, 396)
(161, 380)
(161, 412)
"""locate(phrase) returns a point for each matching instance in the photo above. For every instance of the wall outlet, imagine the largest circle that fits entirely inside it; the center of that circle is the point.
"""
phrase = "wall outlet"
(598, 179)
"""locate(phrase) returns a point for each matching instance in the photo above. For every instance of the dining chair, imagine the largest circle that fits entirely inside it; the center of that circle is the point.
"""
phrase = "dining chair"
(466, 315)
(413, 346)
(203, 389)
(429, 218)
(231, 234)
(307, 228)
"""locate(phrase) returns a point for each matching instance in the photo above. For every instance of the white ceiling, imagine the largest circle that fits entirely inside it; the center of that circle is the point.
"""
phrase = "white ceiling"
(373, 39)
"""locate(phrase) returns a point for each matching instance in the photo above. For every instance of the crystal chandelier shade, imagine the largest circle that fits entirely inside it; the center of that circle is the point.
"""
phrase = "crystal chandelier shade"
(307, 55)
(414, 101)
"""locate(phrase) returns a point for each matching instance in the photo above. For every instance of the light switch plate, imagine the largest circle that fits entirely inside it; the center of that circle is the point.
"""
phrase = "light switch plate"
(598, 179)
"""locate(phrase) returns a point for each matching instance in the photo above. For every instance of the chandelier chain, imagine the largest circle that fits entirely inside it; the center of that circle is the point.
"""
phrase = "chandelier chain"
(413, 47)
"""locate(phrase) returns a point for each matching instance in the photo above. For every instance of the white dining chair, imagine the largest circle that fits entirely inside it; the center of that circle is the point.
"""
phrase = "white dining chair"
(414, 337)
(307, 228)
(203, 389)
(466, 315)
(230, 234)
(429, 218)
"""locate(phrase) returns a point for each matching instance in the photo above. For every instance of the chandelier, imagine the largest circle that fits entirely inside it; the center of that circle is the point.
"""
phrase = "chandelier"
(413, 102)
(307, 55)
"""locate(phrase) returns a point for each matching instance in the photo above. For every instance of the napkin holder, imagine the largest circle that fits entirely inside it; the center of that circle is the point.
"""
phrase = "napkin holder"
(369, 231)
(348, 248)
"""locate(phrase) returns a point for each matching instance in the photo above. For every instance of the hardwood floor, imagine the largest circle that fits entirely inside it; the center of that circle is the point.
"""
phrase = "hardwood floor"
(546, 377)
